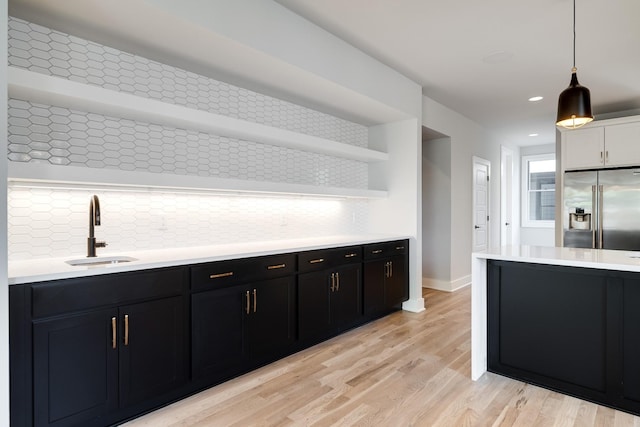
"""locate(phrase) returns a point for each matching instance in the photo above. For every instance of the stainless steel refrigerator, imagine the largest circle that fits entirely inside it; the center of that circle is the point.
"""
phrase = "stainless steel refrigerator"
(602, 209)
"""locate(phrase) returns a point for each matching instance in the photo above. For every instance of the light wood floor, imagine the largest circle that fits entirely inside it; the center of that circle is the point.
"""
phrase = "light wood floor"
(407, 369)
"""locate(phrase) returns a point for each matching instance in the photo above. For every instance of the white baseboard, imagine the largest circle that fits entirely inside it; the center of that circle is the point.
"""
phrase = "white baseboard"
(446, 286)
(414, 305)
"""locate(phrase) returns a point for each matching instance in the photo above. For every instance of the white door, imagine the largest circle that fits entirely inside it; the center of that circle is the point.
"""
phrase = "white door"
(506, 196)
(481, 170)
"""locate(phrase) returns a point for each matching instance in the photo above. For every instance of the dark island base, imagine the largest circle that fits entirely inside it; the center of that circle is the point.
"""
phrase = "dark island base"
(568, 329)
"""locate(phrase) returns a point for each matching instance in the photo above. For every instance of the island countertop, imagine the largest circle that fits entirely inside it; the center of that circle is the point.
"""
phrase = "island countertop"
(572, 257)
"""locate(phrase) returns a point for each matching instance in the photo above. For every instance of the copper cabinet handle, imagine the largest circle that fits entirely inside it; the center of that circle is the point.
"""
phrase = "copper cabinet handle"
(377, 251)
(337, 281)
(126, 329)
(255, 300)
(351, 255)
(248, 306)
(333, 282)
(219, 275)
(390, 268)
(275, 267)
(114, 333)
(606, 156)
(399, 248)
(316, 261)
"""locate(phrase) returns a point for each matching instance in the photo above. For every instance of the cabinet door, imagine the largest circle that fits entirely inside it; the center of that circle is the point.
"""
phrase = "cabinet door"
(548, 325)
(75, 368)
(374, 293)
(396, 289)
(583, 148)
(270, 324)
(346, 306)
(622, 147)
(152, 349)
(217, 319)
(313, 304)
(631, 344)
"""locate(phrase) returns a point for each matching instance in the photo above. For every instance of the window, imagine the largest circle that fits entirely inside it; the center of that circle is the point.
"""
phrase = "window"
(538, 190)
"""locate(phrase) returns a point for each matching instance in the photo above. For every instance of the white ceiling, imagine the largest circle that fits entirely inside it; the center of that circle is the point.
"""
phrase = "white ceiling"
(483, 59)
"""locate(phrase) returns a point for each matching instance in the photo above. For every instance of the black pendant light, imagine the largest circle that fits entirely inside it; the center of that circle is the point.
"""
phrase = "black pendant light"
(574, 103)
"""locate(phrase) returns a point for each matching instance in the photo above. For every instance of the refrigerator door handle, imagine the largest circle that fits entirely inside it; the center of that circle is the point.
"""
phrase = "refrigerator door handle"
(593, 216)
(600, 220)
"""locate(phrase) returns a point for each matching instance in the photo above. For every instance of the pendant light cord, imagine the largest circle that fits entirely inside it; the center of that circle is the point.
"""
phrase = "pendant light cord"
(574, 35)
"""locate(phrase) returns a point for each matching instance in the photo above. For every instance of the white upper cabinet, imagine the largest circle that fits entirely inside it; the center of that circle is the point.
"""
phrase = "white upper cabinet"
(583, 148)
(622, 144)
(607, 144)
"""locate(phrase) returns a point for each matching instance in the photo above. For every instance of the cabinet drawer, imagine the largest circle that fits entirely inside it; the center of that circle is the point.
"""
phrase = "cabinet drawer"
(386, 249)
(236, 271)
(63, 296)
(328, 258)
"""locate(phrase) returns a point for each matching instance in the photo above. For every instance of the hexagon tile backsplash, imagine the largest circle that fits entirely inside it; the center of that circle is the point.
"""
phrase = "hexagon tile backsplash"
(46, 222)
(53, 222)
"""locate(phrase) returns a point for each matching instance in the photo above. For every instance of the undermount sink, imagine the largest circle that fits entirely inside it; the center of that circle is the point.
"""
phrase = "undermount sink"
(100, 261)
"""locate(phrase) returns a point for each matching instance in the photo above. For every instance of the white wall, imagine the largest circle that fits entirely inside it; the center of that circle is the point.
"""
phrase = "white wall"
(400, 212)
(436, 213)
(536, 236)
(4, 288)
(468, 139)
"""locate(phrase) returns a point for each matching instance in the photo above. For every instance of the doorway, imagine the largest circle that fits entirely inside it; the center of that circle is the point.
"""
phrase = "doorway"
(481, 176)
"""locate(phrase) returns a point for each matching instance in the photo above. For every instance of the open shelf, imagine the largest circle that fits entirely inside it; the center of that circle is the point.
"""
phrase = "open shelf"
(44, 174)
(30, 86)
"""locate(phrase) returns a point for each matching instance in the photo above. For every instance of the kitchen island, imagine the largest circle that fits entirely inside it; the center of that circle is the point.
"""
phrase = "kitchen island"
(563, 318)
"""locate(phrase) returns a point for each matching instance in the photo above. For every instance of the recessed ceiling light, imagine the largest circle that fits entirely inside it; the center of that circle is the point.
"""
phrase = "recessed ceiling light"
(533, 134)
(535, 98)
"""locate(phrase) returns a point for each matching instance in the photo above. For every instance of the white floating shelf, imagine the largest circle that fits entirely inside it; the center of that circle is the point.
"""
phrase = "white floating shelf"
(29, 86)
(73, 176)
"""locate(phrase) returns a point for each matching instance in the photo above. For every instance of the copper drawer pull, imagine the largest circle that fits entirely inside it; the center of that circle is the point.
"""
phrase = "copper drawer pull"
(275, 267)
(377, 251)
(219, 275)
(255, 300)
(114, 332)
(399, 248)
(315, 261)
(126, 329)
(248, 306)
(351, 255)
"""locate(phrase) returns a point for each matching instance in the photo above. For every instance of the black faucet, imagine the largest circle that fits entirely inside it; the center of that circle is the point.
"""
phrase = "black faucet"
(94, 219)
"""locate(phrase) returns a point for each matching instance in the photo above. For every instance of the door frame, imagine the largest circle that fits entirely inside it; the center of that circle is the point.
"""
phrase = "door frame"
(506, 195)
(487, 163)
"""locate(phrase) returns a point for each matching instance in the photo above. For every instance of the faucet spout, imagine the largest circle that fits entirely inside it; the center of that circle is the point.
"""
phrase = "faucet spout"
(94, 220)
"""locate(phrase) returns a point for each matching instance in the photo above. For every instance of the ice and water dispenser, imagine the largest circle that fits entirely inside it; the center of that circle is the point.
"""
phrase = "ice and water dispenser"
(579, 220)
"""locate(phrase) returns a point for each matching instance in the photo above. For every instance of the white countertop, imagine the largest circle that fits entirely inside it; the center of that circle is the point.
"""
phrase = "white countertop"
(38, 270)
(604, 259)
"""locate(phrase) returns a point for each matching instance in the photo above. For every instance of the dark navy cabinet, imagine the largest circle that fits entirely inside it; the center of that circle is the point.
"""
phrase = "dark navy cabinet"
(238, 325)
(329, 291)
(575, 330)
(105, 344)
(98, 350)
(386, 284)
